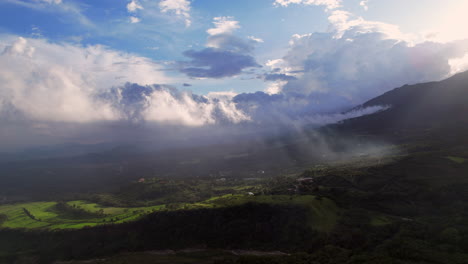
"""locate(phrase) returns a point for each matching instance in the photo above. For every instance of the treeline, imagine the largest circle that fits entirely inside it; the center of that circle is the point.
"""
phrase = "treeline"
(76, 212)
(3, 218)
(258, 226)
(29, 214)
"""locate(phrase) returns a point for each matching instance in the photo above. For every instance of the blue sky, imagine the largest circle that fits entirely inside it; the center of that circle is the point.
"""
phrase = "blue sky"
(164, 37)
(216, 61)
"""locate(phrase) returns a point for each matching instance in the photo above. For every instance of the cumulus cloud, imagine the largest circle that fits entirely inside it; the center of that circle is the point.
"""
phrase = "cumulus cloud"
(133, 6)
(358, 59)
(167, 105)
(226, 55)
(60, 82)
(134, 20)
(179, 7)
(223, 25)
(329, 4)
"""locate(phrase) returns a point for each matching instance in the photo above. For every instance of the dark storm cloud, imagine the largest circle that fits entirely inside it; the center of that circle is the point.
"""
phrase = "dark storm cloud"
(278, 77)
(216, 63)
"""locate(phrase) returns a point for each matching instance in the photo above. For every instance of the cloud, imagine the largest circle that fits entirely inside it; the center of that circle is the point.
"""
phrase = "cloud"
(133, 6)
(259, 40)
(166, 105)
(223, 25)
(134, 20)
(357, 60)
(216, 63)
(459, 64)
(329, 4)
(226, 55)
(180, 7)
(279, 77)
(43, 81)
(364, 4)
(230, 43)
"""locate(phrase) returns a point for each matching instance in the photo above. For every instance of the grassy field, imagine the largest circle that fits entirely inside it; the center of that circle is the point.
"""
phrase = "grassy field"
(458, 160)
(45, 215)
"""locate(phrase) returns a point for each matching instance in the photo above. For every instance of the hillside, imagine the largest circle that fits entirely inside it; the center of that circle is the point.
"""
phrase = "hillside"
(425, 106)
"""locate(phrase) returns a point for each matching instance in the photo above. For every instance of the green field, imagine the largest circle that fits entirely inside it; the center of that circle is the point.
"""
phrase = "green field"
(458, 160)
(46, 215)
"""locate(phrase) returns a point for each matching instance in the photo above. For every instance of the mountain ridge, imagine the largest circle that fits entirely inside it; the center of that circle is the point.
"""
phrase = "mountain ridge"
(419, 106)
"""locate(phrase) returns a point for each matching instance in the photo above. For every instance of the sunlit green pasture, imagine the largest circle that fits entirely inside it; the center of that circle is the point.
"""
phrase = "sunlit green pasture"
(458, 160)
(46, 215)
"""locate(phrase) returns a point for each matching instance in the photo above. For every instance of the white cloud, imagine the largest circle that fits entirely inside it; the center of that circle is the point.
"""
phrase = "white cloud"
(364, 4)
(343, 22)
(61, 82)
(275, 87)
(179, 7)
(459, 64)
(223, 25)
(165, 107)
(134, 20)
(259, 40)
(133, 6)
(329, 4)
(358, 59)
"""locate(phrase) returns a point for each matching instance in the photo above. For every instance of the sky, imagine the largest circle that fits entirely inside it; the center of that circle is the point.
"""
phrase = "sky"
(75, 70)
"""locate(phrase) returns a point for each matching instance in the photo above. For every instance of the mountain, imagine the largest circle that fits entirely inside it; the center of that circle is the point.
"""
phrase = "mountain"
(425, 106)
